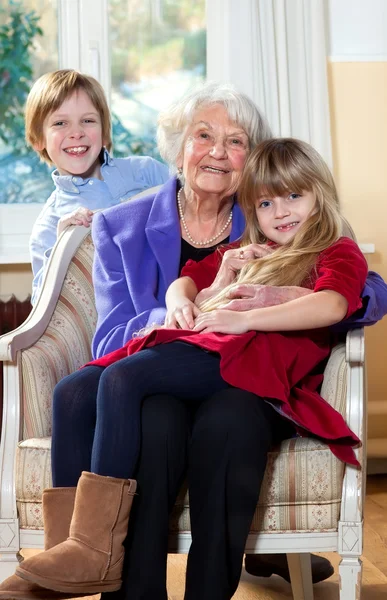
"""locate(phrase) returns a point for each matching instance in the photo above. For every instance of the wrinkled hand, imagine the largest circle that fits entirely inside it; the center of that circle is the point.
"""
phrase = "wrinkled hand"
(232, 263)
(221, 321)
(79, 216)
(182, 316)
(248, 296)
(233, 260)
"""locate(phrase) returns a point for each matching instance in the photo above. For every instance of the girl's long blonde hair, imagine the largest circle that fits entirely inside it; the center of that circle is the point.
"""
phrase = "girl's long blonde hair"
(276, 167)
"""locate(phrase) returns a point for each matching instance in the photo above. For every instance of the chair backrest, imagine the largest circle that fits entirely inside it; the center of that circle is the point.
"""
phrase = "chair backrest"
(65, 344)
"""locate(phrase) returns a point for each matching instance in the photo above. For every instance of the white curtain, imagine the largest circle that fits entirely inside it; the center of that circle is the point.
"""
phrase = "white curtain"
(275, 51)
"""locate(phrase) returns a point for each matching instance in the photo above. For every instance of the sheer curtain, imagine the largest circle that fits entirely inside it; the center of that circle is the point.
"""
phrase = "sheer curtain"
(275, 51)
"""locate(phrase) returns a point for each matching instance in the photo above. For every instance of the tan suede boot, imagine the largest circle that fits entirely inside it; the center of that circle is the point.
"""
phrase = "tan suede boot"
(58, 506)
(91, 559)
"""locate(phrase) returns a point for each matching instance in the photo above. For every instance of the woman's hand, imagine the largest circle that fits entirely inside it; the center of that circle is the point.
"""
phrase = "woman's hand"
(232, 262)
(182, 315)
(79, 216)
(247, 296)
(221, 321)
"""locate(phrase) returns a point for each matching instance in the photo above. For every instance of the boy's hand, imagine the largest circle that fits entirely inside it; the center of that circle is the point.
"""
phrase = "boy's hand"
(79, 216)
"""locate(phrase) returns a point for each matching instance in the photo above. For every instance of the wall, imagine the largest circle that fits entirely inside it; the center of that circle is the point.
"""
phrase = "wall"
(16, 221)
(15, 279)
(357, 73)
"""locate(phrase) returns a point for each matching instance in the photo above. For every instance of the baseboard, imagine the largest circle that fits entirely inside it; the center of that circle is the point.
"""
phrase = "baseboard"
(376, 466)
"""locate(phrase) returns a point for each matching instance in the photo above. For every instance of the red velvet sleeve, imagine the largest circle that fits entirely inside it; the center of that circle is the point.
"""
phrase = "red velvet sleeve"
(204, 272)
(343, 269)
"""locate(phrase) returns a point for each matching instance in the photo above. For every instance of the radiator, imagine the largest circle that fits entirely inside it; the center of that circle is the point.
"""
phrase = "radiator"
(12, 314)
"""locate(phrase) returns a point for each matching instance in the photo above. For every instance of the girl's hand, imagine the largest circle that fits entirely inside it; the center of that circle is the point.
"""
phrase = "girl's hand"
(182, 315)
(233, 261)
(221, 321)
(79, 216)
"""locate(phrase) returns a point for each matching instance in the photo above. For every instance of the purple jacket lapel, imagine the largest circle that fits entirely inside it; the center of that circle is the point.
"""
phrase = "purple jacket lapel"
(163, 231)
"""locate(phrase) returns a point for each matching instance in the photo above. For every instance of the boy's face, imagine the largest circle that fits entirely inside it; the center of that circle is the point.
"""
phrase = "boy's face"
(72, 136)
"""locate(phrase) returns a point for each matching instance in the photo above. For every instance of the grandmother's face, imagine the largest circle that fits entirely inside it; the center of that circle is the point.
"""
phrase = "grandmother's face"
(214, 153)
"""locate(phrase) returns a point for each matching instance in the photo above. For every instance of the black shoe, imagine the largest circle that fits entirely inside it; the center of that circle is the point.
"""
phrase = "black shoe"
(265, 565)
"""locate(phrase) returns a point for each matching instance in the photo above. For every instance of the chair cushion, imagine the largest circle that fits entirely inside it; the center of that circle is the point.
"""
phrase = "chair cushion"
(301, 490)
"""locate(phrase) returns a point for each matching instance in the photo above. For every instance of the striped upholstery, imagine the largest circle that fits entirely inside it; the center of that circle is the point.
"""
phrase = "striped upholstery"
(303, 480)
(64, 346)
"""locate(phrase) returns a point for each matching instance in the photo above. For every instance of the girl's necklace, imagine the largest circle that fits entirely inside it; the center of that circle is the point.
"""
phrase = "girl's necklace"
(195, 242)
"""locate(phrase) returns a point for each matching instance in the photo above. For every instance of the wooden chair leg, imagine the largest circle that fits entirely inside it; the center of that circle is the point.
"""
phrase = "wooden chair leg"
(300, 570)
(350, 572)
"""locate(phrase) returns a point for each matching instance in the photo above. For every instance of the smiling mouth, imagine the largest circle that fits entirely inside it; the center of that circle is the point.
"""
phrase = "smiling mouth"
(76, 150)
(215, 170)
(287, 226)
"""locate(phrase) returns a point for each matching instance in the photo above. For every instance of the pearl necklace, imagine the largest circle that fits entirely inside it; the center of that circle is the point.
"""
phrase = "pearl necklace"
(182, 219)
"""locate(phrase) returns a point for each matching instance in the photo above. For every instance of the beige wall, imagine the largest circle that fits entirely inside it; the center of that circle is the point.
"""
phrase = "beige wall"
(358, 95)
(15, 279)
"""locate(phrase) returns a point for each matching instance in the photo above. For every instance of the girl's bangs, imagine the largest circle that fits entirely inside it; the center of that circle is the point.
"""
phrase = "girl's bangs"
(275, 179)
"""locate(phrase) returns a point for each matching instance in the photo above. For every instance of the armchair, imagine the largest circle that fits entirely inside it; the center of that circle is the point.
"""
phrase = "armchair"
(309, 502)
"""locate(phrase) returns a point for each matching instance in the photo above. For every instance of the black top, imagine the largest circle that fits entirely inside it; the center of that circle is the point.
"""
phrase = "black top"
(197, 254)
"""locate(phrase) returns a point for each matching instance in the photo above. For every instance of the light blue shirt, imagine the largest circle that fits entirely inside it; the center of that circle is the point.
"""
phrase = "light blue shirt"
(121, 179)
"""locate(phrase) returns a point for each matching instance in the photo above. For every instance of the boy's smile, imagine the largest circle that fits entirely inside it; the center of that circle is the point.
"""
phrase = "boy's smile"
(280, 217)
(73, 137)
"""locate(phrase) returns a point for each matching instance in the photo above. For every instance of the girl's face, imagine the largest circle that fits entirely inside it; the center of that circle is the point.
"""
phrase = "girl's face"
(214, 153)
(281, 217)
(72, 136)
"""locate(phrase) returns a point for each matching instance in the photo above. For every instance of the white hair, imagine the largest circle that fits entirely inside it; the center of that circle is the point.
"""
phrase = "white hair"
(174, 121)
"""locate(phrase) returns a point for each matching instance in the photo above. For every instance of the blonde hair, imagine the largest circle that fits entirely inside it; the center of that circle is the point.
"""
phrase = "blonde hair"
(275, 167)
(174, 121)
(50, 91)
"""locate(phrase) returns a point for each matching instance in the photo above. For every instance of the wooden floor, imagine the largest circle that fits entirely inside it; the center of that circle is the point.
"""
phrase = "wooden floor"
(274, 588)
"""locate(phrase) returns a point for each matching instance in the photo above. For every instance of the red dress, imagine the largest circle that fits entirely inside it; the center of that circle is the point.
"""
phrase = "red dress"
(284, 367)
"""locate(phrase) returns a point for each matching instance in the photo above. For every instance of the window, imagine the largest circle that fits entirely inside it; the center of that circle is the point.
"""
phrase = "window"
(158, 51)
(24, 181)
(144, 52)
(23, 178)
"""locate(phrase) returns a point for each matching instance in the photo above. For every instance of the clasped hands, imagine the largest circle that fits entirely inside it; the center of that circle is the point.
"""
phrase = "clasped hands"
(229, 318)
(232, 316)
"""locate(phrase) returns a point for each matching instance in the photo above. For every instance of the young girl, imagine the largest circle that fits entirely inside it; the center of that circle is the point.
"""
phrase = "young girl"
(278, 353)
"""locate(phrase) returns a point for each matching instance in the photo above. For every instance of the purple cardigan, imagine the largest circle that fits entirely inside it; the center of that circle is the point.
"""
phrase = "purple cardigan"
(137, 255)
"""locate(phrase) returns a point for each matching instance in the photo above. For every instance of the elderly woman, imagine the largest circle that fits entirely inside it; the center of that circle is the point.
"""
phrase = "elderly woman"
(219, 445)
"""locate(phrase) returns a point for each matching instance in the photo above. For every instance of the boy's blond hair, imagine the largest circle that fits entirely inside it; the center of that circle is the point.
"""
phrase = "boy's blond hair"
(50, 91)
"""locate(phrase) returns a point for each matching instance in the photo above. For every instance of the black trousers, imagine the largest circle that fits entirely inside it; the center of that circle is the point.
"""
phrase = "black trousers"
(221, 448)
(197, 427)
(97, 411)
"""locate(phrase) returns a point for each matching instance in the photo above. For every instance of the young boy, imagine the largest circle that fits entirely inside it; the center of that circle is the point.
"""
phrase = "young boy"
(68, 124)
